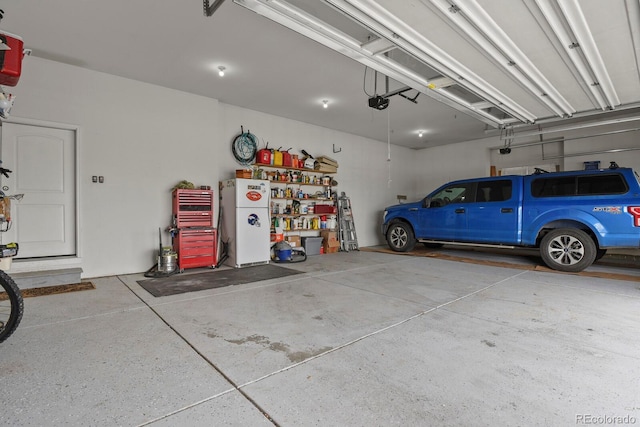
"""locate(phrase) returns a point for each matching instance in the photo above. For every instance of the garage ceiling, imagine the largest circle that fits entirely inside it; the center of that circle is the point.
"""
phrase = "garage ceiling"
(458, 70)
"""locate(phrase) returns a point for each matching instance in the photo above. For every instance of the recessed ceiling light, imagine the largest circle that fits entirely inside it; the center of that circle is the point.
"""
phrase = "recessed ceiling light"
(325, 103)
(420, 133)
(221, 71)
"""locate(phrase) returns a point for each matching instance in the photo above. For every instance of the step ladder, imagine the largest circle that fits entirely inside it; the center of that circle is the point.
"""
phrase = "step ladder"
(346, 227)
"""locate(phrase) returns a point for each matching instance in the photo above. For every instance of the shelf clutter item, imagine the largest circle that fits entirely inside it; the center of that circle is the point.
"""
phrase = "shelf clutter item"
(325, 164)
(11, 54)
(244, 173)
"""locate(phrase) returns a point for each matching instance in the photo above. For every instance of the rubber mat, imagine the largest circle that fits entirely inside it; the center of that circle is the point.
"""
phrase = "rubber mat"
(58, 289)
(185, 282)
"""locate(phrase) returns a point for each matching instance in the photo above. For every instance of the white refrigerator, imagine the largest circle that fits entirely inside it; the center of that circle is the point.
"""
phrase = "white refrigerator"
(245, 221)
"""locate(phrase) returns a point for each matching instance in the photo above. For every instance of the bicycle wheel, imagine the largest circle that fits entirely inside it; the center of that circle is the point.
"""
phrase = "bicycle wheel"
(11, 306)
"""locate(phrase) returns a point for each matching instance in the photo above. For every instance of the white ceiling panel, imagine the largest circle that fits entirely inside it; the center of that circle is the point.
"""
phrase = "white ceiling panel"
(272, 68)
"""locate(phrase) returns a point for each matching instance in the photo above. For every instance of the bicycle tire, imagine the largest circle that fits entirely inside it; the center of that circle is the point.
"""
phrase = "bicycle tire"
(11, 306)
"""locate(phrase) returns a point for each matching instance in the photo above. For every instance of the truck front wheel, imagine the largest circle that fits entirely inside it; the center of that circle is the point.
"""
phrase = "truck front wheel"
(568, 249)
(400, 237)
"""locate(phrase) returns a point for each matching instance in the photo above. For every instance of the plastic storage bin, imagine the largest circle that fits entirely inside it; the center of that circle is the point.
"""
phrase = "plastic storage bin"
(312, 245)
(589, 166)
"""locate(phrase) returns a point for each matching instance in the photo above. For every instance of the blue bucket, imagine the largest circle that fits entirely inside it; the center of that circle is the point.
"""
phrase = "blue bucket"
(283, 254)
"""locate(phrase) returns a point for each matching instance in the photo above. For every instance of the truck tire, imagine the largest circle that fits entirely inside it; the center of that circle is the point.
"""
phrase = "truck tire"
(600, 253)
(568, 249)
(400, 237)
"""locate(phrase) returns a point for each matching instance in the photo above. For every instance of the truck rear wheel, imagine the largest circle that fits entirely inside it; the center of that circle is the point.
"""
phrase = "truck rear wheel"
(568, 249)
(400, 237)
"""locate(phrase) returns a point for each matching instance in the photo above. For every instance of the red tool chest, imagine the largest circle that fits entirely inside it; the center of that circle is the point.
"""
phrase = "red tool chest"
(196, 247)
(195, 240)
(193, 208)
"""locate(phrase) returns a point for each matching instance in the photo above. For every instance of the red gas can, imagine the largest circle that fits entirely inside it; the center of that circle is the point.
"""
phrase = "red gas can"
(11, 59)
(286, 158)
(263, 156)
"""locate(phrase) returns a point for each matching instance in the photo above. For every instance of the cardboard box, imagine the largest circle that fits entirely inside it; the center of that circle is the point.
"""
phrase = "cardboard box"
(294, 241)
(244, 173)
(330, 243)
(331, 246)
(329, 235)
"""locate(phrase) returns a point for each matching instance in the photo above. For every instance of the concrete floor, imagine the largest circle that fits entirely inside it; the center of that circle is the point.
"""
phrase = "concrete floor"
(360, 339)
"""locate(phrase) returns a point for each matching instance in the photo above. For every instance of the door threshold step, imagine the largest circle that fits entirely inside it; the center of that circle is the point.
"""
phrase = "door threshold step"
(44, 278)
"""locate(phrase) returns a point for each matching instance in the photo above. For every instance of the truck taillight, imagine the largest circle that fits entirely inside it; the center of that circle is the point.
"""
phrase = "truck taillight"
(635, 211)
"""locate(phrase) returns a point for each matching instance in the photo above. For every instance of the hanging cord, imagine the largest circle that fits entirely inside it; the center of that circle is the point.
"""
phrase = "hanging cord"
(389, 147)
(364, 82)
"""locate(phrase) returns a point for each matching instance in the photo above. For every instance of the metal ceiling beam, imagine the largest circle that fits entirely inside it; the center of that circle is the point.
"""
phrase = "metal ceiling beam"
(578, 23)
(310, 26)
(576, 126)
(633, 14)
(483, 31)
(570, 27)
(209, 9)
(380, 21)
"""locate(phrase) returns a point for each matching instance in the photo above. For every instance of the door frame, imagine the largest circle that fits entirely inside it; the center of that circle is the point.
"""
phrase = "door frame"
(67, 260)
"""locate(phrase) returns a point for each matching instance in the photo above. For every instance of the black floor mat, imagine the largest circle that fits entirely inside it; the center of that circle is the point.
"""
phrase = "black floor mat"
(186, 282)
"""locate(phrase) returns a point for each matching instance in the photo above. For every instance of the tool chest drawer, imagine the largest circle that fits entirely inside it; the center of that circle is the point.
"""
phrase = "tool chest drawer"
(192, 208)
(195, 247)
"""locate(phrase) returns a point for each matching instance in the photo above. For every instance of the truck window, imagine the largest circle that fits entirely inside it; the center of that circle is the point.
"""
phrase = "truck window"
(455, 193)
(582, 185)
(494, 191)
(602, 184)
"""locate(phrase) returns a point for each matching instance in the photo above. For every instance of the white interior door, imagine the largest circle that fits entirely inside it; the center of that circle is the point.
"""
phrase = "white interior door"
(43, 163)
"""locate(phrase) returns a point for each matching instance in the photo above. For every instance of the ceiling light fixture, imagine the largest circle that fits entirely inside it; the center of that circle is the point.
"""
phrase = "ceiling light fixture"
(221, 71)
(399, 35)
(420, 133)
(325, 103)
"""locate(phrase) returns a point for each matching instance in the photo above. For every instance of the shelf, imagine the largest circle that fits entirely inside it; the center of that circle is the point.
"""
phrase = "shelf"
(259, 165)
(308, 199)
(299, 183)
(294, 215)
(299, 230)
(295, 188)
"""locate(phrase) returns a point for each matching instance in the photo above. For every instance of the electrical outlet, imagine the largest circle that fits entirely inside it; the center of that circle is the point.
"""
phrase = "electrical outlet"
(94, 178)
(101, 179)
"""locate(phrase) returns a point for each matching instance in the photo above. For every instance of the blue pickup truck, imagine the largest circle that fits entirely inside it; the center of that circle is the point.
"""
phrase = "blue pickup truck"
(572, 217)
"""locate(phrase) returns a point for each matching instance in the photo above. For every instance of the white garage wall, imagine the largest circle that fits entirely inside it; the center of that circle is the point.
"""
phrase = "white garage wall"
(471, 159)
(364, 170)
(144, 139)
(439, 165)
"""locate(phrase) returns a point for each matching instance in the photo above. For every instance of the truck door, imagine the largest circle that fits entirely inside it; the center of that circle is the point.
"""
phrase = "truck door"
(445, 216)
(494, 216)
